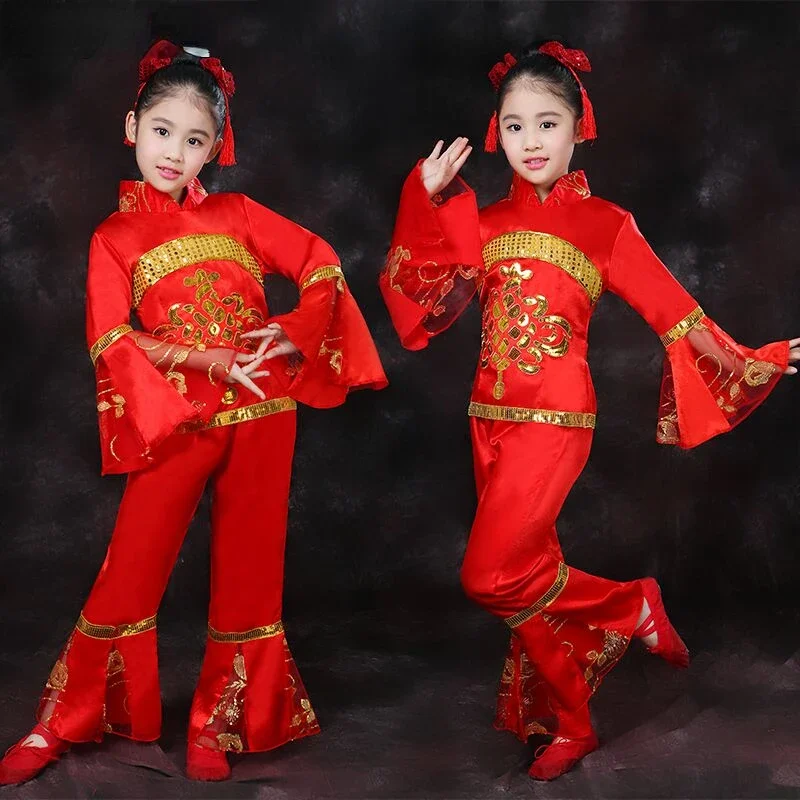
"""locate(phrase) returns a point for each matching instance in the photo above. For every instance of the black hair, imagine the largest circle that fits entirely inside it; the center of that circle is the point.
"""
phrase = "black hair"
(539, 68)
(184, 73)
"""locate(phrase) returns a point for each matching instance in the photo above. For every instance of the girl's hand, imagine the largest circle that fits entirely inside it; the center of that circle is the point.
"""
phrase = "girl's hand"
(244, 374)
(273, 334)
(439, 168)
(794, 355)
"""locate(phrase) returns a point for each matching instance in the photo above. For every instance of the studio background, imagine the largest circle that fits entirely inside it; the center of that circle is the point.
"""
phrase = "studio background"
(698, 112)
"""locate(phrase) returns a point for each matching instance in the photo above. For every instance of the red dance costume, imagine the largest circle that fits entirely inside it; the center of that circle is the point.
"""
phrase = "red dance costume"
(539, 269)
(193, 273)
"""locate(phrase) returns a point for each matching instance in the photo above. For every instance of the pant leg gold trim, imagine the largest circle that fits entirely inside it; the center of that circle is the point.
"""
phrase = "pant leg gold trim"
(323, 274)
(242, 414)
(545, 600)
(106, 340)
(264, 632)
(568, 419)
(114, 631)
(680, 330)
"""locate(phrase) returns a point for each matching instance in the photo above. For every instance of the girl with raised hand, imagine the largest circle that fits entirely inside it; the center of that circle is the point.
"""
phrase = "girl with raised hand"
(204, 390)
(539, 261)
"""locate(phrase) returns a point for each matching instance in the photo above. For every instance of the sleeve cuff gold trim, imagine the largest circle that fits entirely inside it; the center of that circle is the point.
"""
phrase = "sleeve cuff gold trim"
(683, 327)
(106, 340)
(322, 274)
(545, 600)
(264, 632)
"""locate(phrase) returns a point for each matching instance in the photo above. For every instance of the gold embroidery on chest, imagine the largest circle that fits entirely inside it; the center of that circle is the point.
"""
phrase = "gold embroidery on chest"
(550, 249)
(518, 330)
(213, 320)
(187, 251)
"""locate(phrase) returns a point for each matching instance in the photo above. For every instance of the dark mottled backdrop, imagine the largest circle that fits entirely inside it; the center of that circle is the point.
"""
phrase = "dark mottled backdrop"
(698, 111)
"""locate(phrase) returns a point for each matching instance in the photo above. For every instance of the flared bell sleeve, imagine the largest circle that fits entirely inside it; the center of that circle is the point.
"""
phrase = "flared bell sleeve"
(140, 379)
(710, 382)
(336, 347)
(434, 264)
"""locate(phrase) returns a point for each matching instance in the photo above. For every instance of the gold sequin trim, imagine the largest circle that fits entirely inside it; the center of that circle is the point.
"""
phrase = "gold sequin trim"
(567, 419)
(545, 600)
(323, 274)
(545, 247)
(107, 339)
(264, 632)
(241, 414)
(187, 251)
(683, 327)
(114, 631)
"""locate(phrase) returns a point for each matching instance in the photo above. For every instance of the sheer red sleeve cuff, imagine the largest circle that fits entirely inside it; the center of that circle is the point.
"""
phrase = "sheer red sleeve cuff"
(711, 383)
(434, 264)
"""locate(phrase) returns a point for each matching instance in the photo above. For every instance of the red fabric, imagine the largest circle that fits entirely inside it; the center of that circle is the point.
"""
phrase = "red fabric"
(111, 685)
(435, 246)
(152, 407)
(513, 559)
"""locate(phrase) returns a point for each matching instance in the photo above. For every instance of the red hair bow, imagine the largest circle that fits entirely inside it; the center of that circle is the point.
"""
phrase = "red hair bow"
(501, 69)
(161, 55)
(573, 59)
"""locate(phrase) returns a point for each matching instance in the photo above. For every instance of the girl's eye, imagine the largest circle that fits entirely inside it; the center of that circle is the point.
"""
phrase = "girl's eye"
(161, 131)
(546, 126)
(194, 142)
(514, 127)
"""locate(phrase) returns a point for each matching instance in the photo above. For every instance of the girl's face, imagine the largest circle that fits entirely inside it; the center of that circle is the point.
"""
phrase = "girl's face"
(538, 132)
(174, 139)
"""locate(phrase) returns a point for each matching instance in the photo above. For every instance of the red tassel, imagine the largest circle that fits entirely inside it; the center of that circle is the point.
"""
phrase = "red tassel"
(588, 127)
(490, 143)
(127, 142)
(227, 155)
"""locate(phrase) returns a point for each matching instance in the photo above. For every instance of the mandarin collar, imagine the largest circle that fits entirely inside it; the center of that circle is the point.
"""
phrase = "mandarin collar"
(141, 196)
(569, 188)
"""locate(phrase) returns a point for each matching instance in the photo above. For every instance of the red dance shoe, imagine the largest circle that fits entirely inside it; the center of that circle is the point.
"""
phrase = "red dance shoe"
(26, 759)
(670, 646)
(205, 764)
(561, 756)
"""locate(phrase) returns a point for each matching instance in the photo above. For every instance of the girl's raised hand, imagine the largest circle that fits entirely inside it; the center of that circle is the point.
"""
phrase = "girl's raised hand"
(794, 355)
(439, 168)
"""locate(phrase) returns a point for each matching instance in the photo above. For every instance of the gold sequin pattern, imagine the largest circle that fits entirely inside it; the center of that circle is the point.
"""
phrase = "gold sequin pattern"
(551, 249)
(264, 632)
(114, 631)
(241, 414)
(107, 339)
(324, 274)
(567, 419)
(187, 251)
(544, 601)
(680, 330)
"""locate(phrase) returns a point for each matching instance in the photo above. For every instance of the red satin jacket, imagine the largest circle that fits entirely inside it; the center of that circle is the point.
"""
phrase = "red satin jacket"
(539, 269)
(193, 274)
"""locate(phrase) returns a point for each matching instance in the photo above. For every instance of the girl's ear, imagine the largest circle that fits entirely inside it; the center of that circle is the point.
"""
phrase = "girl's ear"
(214, 150)
(578, 139)
(130, 126)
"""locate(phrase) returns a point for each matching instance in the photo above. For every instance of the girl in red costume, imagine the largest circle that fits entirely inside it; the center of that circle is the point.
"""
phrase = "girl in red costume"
(539, 261)
(187, 399)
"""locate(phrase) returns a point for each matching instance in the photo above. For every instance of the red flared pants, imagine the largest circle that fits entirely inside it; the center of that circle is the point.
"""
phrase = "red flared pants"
(249, 696)
(568, 628)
